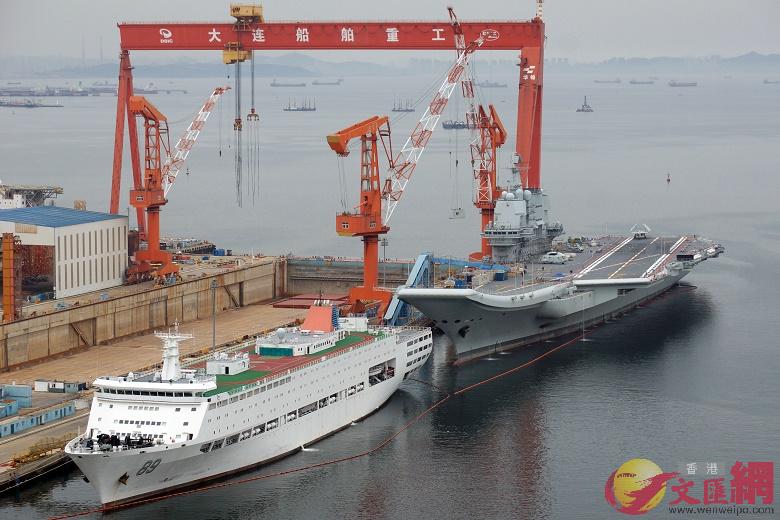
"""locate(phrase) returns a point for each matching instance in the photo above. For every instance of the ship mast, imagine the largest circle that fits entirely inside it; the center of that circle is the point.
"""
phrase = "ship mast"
(171, 369)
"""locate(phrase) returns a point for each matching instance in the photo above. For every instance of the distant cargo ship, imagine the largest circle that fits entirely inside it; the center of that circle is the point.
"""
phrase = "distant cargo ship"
(491, 84)
(641, 82)
(451, 124)
(275, 83)
(616, 80)
(771, 81)
(682, 83)
(315, 82)
(306, 106)
(26, 103)
(585, 106)
(400, 107)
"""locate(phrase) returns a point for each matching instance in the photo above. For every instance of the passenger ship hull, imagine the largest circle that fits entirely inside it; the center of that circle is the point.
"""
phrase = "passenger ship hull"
(184, 465)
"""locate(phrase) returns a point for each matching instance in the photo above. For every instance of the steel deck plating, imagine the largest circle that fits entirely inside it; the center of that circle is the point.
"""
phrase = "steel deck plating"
(613, 258)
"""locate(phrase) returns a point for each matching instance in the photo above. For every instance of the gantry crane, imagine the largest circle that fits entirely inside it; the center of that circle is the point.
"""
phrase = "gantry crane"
(249, 32)
(491, 135)
(366, 221)
(160, 170)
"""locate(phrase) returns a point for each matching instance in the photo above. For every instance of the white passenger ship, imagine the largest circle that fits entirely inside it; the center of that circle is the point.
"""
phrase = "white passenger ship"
(175, 428)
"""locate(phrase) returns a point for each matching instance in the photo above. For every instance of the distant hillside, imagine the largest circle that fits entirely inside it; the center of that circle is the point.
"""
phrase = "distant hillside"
(752, 63)
(288, 65)
(303, 65)
(177, 70)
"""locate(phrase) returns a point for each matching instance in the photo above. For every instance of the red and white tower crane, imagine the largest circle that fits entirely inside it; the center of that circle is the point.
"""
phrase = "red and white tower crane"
(158, 179)
(368, 220)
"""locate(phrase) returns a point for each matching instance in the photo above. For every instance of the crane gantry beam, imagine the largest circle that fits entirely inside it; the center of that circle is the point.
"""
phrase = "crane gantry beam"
(310, 35)
(524, 37)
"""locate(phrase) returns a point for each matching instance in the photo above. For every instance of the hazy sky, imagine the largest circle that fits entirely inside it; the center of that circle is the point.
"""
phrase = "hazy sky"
(581, 30)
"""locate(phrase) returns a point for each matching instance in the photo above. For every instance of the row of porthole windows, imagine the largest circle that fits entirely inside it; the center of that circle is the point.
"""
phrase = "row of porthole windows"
(290, 416)
(149, 393)
(139, 423)
(256, 391)
(153, 436)
(412, 362)
(418, 339)
(420, 349)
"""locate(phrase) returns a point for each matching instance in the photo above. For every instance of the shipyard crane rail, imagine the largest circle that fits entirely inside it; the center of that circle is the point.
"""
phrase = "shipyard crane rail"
(524, 37)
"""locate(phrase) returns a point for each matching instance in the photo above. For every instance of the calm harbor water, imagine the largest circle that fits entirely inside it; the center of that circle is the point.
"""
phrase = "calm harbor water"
(690, 377)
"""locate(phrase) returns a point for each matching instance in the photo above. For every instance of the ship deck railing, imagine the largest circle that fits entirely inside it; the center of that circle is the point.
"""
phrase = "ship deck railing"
(79, 446)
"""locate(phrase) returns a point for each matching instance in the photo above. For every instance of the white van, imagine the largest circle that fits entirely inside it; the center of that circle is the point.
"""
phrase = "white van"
(554, 257)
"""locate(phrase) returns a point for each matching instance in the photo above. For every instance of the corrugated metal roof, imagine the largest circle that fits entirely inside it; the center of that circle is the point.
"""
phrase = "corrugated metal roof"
(53, 216)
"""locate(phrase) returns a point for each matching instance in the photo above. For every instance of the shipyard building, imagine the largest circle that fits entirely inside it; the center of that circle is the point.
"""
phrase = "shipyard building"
(66, 251)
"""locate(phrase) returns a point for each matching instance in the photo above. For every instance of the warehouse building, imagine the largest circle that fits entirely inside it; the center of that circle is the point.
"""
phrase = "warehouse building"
(76, 251)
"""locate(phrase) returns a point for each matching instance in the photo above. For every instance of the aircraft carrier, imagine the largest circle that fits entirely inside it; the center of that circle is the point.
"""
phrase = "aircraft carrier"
(601, 279)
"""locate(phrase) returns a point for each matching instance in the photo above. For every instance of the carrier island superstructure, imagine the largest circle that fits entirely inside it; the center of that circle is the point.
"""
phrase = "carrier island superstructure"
(151, 434)
(598, 280)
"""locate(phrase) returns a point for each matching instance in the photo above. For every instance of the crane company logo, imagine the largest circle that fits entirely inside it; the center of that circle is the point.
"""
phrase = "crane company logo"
(636, 487)
(489, 34)
(166, 35)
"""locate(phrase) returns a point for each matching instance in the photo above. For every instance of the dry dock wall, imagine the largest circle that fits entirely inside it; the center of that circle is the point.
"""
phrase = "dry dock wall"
(336, 276)
(33, 339)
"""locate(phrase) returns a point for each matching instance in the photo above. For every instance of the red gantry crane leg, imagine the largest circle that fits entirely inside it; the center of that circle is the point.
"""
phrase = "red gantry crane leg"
(124, 92)
(366, 221)
(529, 118)
(301, 35)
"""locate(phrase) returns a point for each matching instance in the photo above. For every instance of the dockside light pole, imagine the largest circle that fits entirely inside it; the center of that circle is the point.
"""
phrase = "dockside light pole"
(383, 243)
(213, 313)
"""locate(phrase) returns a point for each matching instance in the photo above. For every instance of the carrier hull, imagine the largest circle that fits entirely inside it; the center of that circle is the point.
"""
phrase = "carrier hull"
(496, 328)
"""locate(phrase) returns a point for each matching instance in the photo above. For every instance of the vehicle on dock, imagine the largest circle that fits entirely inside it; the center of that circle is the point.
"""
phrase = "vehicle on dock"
(553, 257)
